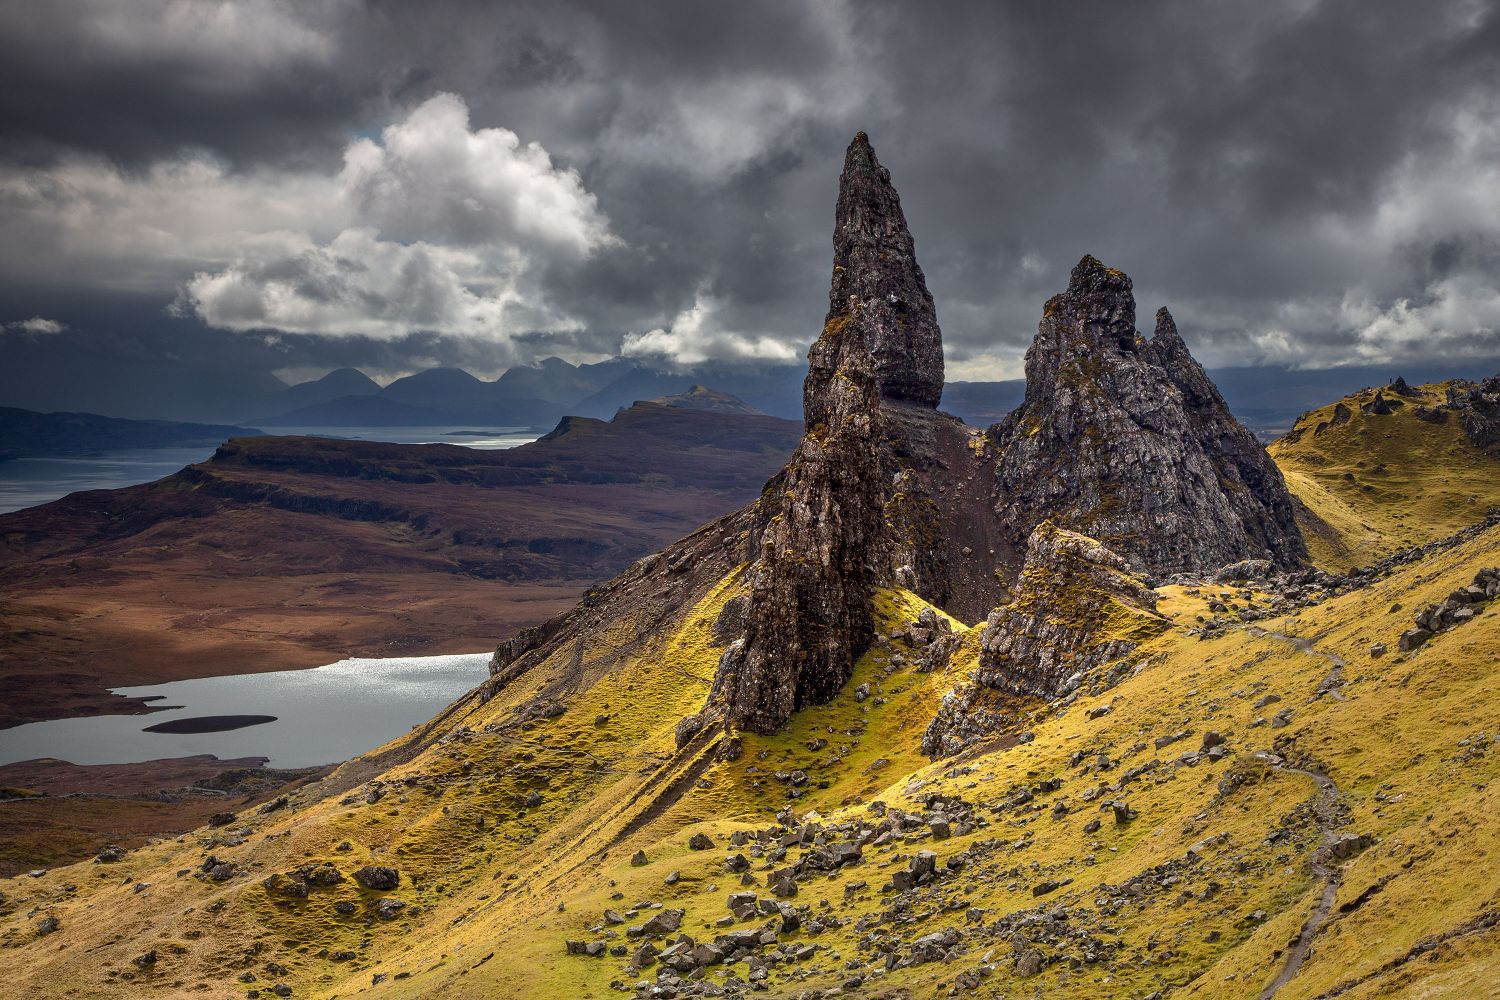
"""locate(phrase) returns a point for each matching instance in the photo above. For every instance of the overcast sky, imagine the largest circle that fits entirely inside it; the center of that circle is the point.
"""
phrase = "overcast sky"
(391, 184)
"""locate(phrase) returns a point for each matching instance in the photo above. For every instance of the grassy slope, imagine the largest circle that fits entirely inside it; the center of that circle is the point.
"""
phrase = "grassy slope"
(1380, 483)
(484, 874)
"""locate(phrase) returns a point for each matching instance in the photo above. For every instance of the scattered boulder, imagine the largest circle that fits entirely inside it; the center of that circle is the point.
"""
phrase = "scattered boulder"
(1029, 963)
(320, 875)
(378, 877)
(663, 923)
(1350, 844)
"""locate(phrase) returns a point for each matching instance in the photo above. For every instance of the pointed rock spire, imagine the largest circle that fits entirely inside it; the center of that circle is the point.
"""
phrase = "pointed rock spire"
(1168, 350)
(878, 303)
(1129, 441)
(822, 537)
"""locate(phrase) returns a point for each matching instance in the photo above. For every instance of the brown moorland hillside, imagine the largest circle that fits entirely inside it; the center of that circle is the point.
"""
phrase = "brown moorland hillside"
(290, 552)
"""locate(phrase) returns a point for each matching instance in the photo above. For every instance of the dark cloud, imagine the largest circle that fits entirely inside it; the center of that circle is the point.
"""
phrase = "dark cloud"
(1303, 182)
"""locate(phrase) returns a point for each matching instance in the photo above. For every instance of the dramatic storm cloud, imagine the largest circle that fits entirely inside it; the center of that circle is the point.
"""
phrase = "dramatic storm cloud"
(447, 227)
(393, 185)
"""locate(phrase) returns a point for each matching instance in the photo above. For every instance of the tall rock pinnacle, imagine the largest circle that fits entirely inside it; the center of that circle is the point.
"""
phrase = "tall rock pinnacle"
(878, 303)
(822, 538)
(1129, 441)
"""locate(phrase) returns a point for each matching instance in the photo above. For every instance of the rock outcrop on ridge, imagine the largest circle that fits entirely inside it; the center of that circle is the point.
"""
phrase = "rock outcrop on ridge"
(1129, 441)
(1077, 609)
(1478, 406)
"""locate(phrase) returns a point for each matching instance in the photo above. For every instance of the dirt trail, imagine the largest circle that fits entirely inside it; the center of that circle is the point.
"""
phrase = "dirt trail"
(1326, 812)
(1333, 684)
(1325, 809)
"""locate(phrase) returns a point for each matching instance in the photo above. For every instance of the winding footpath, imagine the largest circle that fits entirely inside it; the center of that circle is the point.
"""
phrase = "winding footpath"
(1326, 813)
(1325, 810)
(1331, 685)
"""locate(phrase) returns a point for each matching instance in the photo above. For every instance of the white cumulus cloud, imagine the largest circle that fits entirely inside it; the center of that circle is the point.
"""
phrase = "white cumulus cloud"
(446, 227)
(432, 178)
(697, 334)
(36, 325)
(357, 284)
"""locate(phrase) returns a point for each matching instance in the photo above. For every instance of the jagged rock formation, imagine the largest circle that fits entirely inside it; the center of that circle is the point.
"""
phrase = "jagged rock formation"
(1129, 441)
(1077, 608)
(823, 540)
(1478, 406)
(874, 494)
(1380, 405)
(1118, 436)
(811, 587)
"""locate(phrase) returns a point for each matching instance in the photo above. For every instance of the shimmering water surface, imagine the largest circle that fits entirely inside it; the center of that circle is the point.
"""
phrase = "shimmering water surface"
(322, 715)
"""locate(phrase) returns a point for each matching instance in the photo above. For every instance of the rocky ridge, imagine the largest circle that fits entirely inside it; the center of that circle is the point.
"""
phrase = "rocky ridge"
(1477, 405)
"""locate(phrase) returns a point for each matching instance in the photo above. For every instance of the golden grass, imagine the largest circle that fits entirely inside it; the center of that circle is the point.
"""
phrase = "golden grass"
(495, 886)
(1380, 483)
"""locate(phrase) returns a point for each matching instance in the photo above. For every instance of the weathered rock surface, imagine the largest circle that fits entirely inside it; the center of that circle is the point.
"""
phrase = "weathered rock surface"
(1127, 440)
(879, 307)
(378, 877)
(812, 584)
(822, 540)
(1478, 406)
(1077, 609)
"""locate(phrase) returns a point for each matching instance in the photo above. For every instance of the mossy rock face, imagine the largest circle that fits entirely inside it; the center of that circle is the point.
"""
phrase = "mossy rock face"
(1077, 608)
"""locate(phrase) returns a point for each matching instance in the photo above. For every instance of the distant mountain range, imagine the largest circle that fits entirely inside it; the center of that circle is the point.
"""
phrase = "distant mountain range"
(528, 396)
(1267, 399)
